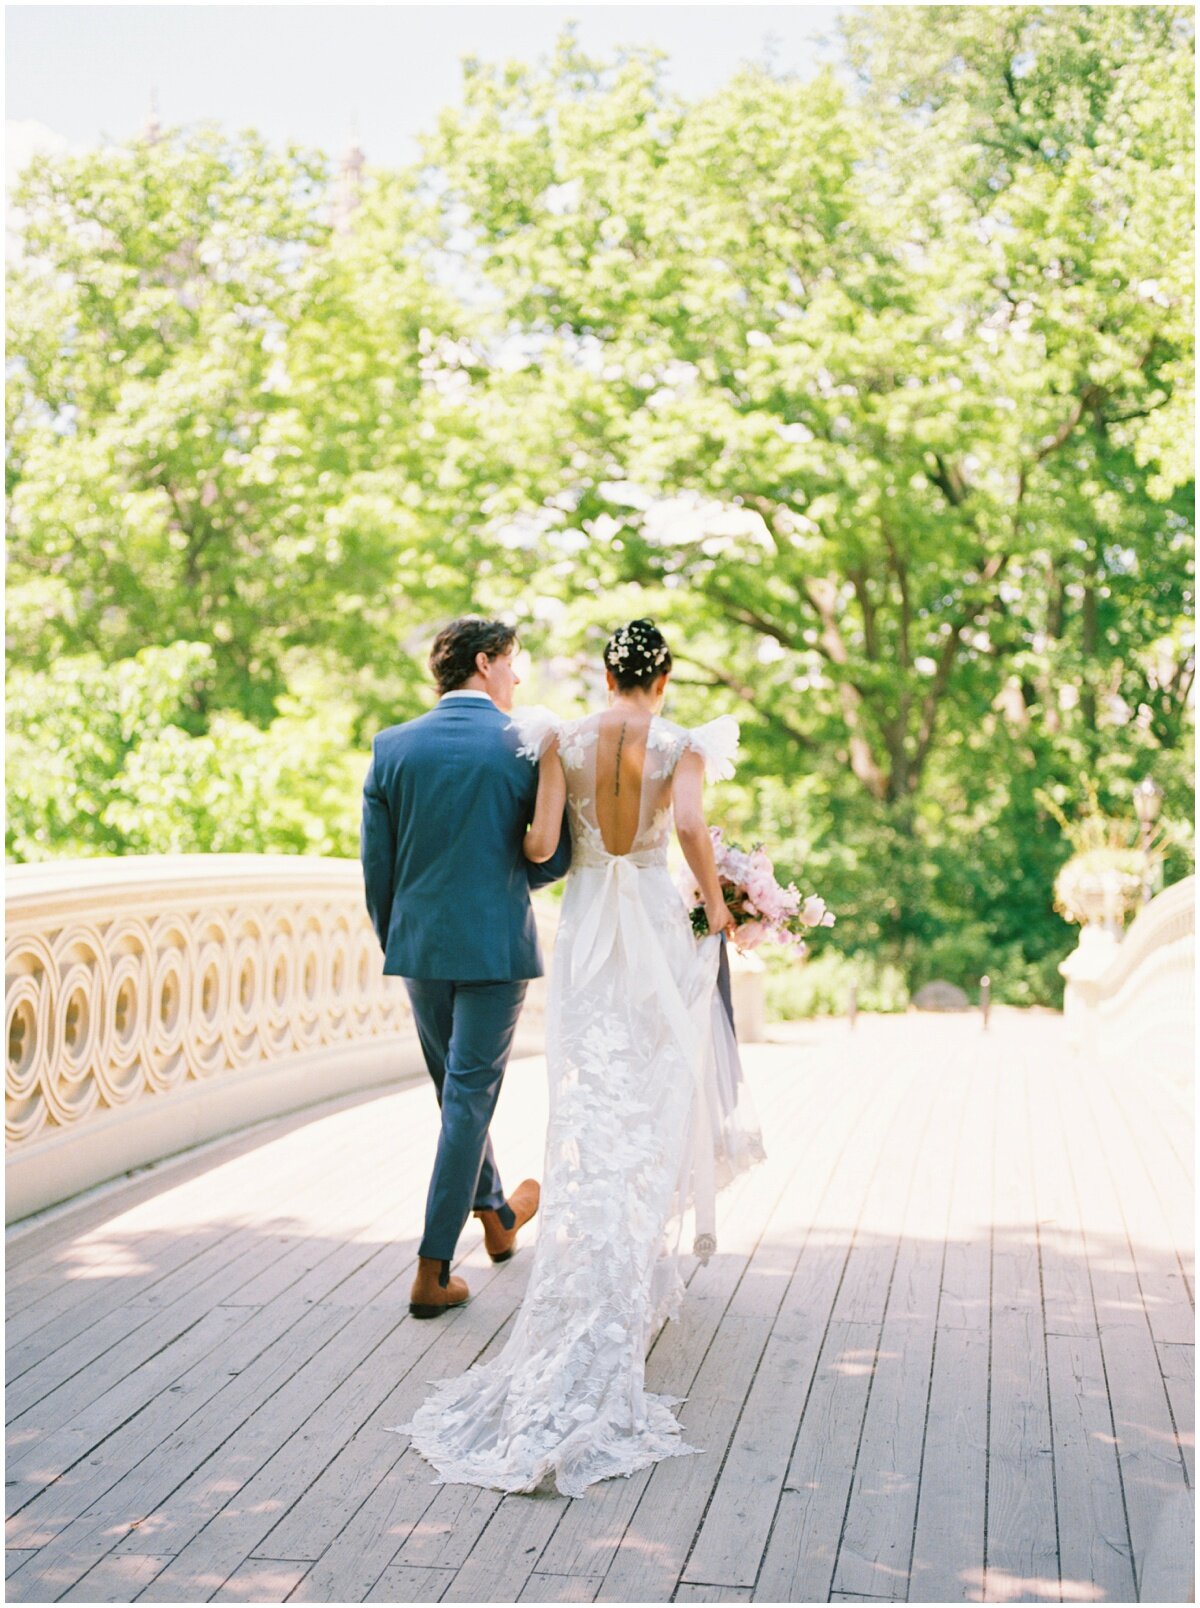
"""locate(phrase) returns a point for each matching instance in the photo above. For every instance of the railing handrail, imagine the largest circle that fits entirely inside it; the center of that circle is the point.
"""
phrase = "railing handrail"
(29, 885)
(1169, 917)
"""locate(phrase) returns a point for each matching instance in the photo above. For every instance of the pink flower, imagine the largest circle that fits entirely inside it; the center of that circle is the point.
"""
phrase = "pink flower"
(814, 912)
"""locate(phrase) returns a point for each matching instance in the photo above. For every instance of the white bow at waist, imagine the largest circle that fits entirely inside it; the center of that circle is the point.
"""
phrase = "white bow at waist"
(615, 912)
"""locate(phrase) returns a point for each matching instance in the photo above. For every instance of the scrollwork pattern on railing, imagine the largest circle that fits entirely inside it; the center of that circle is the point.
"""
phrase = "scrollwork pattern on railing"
(127, 991)
(1143, 1003)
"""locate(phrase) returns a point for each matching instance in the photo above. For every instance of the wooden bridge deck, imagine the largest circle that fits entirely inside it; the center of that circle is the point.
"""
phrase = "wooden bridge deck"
(945, 1353)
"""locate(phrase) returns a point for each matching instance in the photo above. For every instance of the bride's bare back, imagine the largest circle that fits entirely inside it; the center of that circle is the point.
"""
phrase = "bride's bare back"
(620, 764)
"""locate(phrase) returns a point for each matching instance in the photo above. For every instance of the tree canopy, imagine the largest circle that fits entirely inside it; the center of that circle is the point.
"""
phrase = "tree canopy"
(874, 389)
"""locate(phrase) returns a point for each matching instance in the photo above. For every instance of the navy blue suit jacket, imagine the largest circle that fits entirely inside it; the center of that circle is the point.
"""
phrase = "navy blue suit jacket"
(446, 802)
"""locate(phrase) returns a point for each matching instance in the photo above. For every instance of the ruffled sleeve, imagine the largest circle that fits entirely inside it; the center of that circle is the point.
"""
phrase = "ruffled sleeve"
(717, 743)
(535, 727)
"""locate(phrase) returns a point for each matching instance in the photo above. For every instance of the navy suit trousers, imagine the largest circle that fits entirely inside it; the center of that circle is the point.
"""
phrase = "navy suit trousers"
(466, 1032)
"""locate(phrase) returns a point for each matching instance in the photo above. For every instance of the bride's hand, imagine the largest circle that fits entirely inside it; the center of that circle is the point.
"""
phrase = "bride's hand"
(719, 917)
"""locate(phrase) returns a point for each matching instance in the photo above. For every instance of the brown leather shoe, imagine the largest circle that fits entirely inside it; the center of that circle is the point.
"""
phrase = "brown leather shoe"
(430, 1297)
(501, 1242)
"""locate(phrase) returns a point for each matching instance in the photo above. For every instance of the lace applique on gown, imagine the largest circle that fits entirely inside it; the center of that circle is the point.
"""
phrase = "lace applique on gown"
(647, 1116)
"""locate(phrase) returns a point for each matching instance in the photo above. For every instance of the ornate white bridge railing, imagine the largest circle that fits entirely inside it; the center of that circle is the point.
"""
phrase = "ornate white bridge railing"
(1134, 1001)
(159, 1001)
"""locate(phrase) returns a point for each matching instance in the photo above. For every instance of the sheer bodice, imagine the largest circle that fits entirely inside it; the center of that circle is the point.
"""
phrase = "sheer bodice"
(578, 744)
(647, 1117)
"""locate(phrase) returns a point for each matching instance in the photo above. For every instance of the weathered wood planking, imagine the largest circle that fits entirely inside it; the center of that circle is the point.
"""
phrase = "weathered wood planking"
(1160, 1207)
(664, 1522)
(1151, 1461)
(1022, 1529)
(833, 1272)
(968, 1222)
(1093, 1532)
(948, 1537)
(876, 1544)
(316, 1276)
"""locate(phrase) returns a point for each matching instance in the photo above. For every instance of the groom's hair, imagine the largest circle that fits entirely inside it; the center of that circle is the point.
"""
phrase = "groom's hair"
(452, 658)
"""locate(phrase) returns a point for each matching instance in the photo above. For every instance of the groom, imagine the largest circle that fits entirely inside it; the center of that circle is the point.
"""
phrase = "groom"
(446, 802)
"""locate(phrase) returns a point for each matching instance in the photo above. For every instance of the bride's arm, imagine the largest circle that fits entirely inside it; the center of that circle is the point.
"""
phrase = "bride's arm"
(541, 840)
(692, 831)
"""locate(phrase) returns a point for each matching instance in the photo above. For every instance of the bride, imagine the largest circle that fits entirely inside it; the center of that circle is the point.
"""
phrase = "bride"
(647, 1115)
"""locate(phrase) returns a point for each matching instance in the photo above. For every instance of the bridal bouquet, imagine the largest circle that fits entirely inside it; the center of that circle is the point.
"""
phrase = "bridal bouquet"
(763, 910)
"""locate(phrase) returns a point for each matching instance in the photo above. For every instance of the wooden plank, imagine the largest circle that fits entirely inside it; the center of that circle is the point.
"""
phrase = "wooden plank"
(1168, 1564)
(947, 1562)
(948, 1536)
(317, 1276)
(355, 1543)
(1171, 1107)
(652, 1551)
(1154, 1249)
(83, 1516)
(37, 1459)
(967, 1267)
(15, 1557)
(1066, 1286)
(228, 1506)
(117, 1579)
(800, 1552)
(178, 1223)
(827, 1276)
(315, 1466)
(31, 1243)
(260, 1580)
(1178, 1364)
(1151, 1462)
(1163, 1200)
(876, 1542)
(250, 1332)
(117, 1330)
(560, 1588)
(1093, 1533)
(502, 1559)
(402, 1583)
(1022, 1528)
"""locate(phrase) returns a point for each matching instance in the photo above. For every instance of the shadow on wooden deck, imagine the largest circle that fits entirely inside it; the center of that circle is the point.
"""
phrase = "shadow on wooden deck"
(944, 1353)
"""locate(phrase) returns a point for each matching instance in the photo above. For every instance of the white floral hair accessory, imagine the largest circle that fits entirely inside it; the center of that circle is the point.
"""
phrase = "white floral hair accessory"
(636, 648)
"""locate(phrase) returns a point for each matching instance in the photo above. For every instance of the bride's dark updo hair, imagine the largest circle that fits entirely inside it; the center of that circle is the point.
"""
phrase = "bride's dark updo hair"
(636, 654)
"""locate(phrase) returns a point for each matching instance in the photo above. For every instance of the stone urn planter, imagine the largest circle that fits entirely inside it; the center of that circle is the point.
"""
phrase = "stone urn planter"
(1098, 889)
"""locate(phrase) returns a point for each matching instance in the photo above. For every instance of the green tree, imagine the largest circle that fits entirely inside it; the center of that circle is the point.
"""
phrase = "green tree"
(875, 389)
(101, 760)
(877, 393)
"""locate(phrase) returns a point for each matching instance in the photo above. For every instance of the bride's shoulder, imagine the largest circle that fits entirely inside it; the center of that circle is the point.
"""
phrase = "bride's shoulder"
(536, 727)
(716, 741)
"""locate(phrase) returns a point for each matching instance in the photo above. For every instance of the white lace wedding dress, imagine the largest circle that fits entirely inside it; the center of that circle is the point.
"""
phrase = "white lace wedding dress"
(648, 1117)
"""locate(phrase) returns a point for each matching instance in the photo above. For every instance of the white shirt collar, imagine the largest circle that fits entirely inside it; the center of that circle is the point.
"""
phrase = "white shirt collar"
(465, 692)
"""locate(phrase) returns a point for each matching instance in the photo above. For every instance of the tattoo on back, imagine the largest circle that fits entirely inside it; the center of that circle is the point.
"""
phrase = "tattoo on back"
(617, 773)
